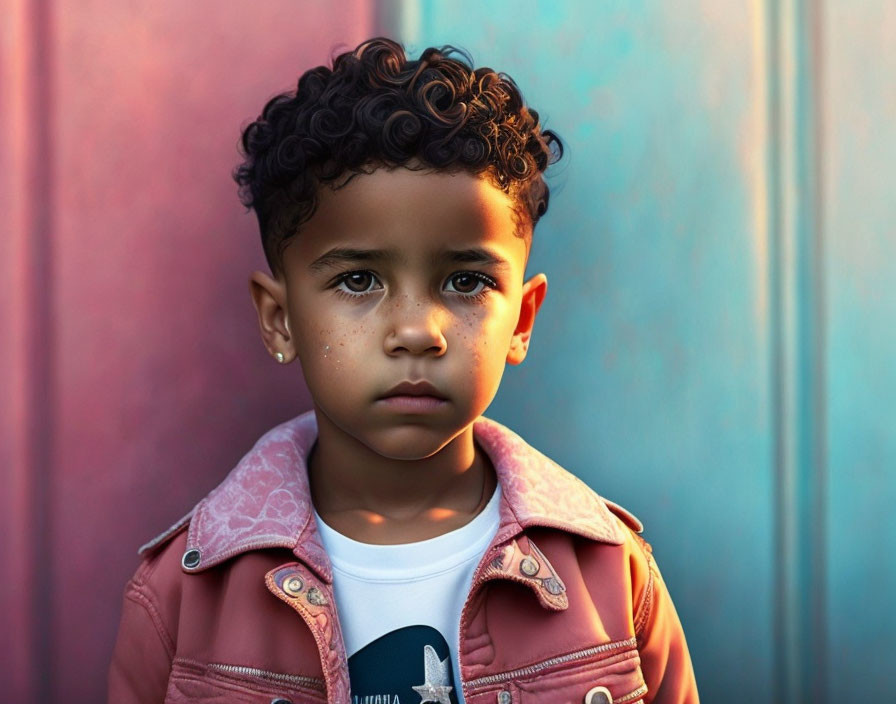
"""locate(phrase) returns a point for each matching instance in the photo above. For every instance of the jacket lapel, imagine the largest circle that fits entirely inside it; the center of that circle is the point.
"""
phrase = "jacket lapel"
(265, 500)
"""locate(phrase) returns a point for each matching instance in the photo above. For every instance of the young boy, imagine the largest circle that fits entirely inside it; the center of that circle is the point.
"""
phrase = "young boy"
(393, 545)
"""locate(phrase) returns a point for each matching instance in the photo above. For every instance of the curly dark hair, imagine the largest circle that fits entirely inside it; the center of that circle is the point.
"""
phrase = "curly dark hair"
(375, 108)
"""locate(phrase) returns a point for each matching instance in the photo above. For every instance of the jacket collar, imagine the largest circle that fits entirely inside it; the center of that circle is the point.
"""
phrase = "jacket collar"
(265, 500)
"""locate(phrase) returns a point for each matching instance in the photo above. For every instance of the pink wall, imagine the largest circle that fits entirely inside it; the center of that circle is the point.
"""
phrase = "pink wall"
(132, 375)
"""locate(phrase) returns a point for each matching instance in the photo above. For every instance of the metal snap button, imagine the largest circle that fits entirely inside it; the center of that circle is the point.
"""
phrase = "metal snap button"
(529, 567)
(280, 700)
(293, 586)
(598, 695)
(553, 586)
(316, 597)
(504, 697)
(190, 559)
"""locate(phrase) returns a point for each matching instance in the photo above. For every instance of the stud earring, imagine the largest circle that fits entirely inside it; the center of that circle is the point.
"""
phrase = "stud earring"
(279, 357)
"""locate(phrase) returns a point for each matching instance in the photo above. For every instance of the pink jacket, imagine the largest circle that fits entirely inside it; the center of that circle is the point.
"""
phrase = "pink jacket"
(233, 603)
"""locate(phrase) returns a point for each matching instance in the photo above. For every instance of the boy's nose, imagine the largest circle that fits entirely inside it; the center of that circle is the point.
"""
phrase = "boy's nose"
(416, 329)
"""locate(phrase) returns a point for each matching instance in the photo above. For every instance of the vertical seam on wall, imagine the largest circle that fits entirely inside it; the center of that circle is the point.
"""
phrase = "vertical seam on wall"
(779, 573)
(383, 13)
(797, 337)
(819, 662)
(402, 21)
(38, 340)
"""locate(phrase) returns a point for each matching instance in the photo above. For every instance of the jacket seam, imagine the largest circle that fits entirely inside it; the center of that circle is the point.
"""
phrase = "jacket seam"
(269, 679)
(146, 570)
(644, 609)
(136, 595)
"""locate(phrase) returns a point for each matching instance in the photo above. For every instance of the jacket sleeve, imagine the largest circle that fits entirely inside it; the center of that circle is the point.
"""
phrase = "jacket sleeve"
(141, 659)
(665, 660)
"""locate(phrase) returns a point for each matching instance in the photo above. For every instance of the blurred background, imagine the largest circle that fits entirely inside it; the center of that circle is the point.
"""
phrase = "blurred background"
(715, 352)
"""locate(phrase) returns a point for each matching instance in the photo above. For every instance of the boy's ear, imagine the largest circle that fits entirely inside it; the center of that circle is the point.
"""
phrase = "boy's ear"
(534, 291)
(269, 297)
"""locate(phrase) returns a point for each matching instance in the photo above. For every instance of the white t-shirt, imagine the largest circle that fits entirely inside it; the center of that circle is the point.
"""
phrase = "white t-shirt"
(399, 607)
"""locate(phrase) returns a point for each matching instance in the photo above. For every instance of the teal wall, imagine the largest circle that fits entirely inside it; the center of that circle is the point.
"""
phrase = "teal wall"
(858, 213)
(713, 352)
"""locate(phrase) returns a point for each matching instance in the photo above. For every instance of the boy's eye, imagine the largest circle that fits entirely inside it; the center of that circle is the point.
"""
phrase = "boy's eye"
(356, 278)
(357, 283)
(468, 281)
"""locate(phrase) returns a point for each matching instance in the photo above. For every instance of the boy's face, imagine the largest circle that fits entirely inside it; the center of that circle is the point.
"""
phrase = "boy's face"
(361, 326)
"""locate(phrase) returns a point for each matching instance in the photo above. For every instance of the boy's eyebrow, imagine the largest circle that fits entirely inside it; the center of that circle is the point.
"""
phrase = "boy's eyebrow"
(341, 255)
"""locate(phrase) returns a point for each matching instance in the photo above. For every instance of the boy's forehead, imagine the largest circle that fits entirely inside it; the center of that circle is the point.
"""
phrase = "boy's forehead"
(411, 212)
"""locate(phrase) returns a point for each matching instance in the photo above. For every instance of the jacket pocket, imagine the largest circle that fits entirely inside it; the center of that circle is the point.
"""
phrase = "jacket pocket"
(568, 678)
(217, 683)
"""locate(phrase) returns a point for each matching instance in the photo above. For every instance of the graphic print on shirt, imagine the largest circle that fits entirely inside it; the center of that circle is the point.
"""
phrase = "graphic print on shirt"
(411, 665)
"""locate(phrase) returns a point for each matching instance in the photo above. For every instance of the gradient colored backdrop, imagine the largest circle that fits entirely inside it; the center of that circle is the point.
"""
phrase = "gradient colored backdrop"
(714, 352)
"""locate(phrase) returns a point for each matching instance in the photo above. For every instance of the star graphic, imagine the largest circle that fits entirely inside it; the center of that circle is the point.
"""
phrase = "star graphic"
(435, 687)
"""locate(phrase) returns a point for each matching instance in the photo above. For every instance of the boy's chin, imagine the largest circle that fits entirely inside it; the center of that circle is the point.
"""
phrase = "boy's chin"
(398, 434)
(410, 442)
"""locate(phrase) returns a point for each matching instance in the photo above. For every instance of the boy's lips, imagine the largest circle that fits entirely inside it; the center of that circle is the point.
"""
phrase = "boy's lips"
(414, 388)
(413, 404)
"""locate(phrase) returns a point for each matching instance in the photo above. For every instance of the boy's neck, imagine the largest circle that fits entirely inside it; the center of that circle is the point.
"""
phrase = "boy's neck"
(375, 499)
